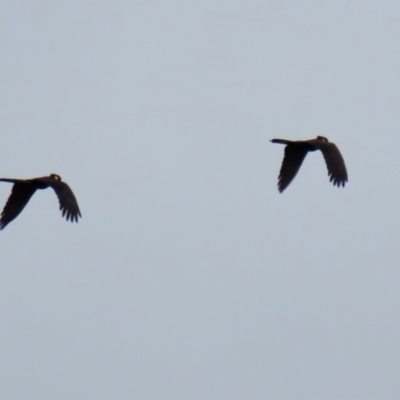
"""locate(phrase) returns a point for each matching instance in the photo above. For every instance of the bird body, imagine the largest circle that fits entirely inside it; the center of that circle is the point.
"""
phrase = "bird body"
(295, 153)
(23, 190)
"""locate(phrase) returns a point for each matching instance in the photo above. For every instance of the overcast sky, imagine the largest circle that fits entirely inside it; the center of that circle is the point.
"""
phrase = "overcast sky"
(190, 276)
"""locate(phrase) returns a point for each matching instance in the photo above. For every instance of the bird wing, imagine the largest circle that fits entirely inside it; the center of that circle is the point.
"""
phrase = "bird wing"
(292, 160)
(20, 195)
(68, 204)
(334, 161)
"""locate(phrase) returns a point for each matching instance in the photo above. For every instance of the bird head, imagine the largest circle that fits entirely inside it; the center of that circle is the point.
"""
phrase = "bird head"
(56, 177)
(322, 139)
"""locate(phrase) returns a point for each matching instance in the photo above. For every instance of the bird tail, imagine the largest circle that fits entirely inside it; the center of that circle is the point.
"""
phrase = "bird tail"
(281, 141)
(9, 180)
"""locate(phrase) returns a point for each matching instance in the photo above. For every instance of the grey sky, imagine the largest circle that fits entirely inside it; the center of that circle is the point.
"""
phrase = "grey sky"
(190, 276)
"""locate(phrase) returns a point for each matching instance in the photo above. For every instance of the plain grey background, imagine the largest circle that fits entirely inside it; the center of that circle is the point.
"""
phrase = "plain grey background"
(190, 276)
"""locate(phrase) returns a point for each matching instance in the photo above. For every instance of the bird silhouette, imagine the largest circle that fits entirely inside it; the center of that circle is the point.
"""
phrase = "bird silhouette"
(295, 153)
(23, 190)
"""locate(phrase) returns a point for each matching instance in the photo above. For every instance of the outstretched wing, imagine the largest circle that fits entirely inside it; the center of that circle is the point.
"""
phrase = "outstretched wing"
(18, 199)
(334, 161)
(292, 160)
(68, 204)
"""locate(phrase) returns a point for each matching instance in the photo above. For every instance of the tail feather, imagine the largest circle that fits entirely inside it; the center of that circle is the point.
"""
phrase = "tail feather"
(281, 141)
(8, 180)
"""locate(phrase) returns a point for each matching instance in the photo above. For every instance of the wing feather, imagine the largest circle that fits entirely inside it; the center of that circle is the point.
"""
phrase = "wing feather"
(293, 158)
(20, 195)
(335, 163)
(68, 204)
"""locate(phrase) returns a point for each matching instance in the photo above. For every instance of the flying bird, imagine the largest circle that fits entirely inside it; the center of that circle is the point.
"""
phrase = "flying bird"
(295, 153)
(23, 190)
